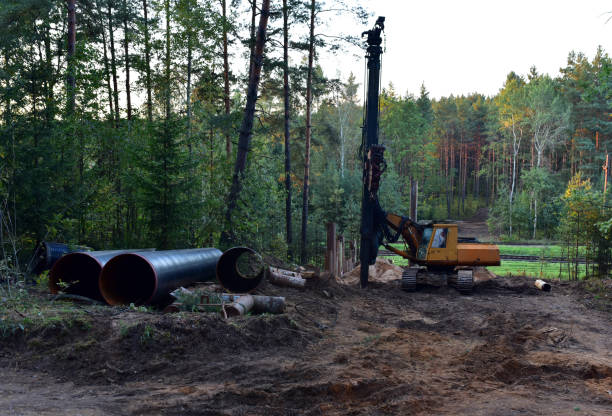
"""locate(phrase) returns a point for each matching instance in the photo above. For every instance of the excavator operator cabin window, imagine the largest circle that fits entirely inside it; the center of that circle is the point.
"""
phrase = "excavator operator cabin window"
(439, 240)
(422, 253)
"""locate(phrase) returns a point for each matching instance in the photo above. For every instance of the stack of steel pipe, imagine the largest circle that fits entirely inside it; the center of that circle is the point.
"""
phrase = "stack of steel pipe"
(149, 277)
(78, 273)
(144, 276)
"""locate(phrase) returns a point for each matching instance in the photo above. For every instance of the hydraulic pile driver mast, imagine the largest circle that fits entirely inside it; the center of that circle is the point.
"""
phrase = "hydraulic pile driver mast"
(435, 250)
(371, 152)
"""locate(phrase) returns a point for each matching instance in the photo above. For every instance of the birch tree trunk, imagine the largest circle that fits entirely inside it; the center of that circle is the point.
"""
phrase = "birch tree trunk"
(516, 145)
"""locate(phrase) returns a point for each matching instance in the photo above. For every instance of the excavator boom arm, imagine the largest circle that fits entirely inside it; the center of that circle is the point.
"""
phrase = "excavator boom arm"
(410, 231)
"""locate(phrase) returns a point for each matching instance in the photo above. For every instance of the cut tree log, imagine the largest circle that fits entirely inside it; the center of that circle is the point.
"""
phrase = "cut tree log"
(240, 306)
(280, 279)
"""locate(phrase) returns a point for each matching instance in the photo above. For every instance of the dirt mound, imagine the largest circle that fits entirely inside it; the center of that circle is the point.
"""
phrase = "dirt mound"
(134, 346)
(383, 271)
(338, 350)
(500, 285)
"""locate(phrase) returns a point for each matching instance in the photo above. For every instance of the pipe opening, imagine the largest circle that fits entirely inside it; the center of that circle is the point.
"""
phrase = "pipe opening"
(128, 278)
(77, 274)
(240, 269)
(249, 265)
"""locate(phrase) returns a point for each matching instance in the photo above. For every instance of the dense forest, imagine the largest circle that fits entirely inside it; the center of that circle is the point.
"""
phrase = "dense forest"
(123, 125)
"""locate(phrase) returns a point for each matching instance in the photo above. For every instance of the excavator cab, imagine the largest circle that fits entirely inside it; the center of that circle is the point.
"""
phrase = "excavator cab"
(436, 253)
(423, 247)
(442, 249)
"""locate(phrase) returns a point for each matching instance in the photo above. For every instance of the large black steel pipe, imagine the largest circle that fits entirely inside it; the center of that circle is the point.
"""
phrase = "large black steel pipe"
(149, 277)
(48, 252)
(240, 270)
(78, 273)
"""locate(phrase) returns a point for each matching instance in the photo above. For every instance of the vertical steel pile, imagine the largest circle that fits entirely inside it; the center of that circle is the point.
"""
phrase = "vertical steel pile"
(369, 246)
(149, 277)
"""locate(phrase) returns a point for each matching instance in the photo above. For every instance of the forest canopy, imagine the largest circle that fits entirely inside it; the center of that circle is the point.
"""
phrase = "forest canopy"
(120, 124)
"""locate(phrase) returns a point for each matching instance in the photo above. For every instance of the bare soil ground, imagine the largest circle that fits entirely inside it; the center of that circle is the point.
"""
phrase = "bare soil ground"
(508, 349)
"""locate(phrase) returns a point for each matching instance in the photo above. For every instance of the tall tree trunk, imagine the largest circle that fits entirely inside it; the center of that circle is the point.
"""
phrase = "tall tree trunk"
(226, 86)
(50, 106)
(452, 172)
(246, 128)
(449, 197)
(464, 179)
(189, 69)
(107, 70)
(414, 184)
(127, 62)
(147, 62)
(495, 179)
(167, 62)
(476, 172)
(70, 77)
(308, 132)
(535, 217)
(459, 179)
(287, 129)
(252, 40)
(113, 63)
(516, 145)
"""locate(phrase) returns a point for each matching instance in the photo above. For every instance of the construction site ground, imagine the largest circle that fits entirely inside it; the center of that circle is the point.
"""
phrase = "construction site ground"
(507, 349)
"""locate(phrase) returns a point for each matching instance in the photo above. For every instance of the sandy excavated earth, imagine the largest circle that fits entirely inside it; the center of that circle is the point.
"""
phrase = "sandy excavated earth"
(508, 349)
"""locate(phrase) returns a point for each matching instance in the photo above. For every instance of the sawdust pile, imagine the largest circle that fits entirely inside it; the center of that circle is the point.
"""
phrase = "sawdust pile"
(383, 271)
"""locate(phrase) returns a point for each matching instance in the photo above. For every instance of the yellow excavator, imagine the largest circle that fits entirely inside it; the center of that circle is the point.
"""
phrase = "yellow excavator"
(434, 250)
(437, 253)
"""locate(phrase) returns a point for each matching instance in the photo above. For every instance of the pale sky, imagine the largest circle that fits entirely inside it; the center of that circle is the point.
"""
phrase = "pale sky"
(464, 46)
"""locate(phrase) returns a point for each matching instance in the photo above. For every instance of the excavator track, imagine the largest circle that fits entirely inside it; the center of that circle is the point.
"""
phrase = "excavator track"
(409, 279)
(463, 281)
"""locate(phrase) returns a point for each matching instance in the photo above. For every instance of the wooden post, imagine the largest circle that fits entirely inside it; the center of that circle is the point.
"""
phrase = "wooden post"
(337, 263)
(340, 256)
(414, 191)
(330, 259)
(605, 169)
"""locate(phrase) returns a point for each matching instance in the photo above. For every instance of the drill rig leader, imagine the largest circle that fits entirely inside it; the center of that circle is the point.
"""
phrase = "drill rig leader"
(445, 255)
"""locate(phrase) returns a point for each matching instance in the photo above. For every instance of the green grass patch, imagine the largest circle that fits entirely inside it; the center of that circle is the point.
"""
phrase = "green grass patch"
(544, 270)
(523, 250)
(27, 311)
(542, 251)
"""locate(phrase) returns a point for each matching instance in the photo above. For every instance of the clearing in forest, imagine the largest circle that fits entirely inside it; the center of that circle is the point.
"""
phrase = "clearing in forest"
(338, 350)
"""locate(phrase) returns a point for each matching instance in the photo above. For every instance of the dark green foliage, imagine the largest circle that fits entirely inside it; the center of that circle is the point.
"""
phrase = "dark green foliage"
(167, 186)
(94, 177)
